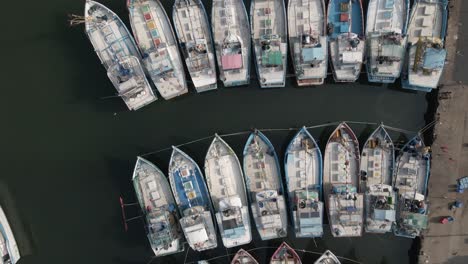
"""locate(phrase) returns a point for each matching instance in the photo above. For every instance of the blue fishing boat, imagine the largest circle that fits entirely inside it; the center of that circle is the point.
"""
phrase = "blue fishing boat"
(193, 201)
(346, 39)
(193, 31)
(341, 182)
(264, 187)
(426, 53)
(377, 167)
(412, 175)
(269, 37)
(118, 53)
(303, 170)
(159, 208)
(155, 38)
(387, 21)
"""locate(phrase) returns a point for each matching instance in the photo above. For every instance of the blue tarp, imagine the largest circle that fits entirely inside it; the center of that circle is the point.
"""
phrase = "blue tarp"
(312, 54)
(434, 58)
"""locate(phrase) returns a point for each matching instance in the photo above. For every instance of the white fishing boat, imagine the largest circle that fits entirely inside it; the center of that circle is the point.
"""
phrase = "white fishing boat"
(328, 258)
(243, 257)
(308, 40)
(9, 252)
(412, 175)
(264, 186)
(387, 21)
(193, 31)
(232, 41)
(118, 53)
(268, 29)
(193, 201)
(341, 181)
(225, 182)
(426, 56)
(346, 35)
(285, 254)
(155, 38)
(303, 171)
(159, 208)
(377, 164)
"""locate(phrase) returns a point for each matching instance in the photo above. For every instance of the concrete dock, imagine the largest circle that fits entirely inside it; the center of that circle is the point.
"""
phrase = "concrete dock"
(448, 243)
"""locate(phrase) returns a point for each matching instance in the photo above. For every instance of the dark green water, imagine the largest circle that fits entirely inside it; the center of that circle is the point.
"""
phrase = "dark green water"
(67, 155)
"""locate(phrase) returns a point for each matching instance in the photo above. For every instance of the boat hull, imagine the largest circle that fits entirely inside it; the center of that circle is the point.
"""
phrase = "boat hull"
(341, 181)
(269, 33)
(156, 41)
(303, 173)
(264, 187)
(308, 41)
(346, 40)
(158, 205)
(119, 55)
(387, 24)
(193, 201)
(232, 41)
(376, 169)
(227, 190)
(196, 44)
(426, 55)
(412, 176)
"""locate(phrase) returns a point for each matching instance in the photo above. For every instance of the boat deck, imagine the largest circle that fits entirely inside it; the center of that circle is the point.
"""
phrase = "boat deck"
(263, 180)
(154, 36)
(308, 40)
(346, 213)
(268, 24)
(118, 53)
(232, 41)
(194, 35)
(226, 185)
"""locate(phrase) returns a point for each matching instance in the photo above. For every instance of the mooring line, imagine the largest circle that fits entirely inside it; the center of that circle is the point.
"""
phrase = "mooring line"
(293, 129)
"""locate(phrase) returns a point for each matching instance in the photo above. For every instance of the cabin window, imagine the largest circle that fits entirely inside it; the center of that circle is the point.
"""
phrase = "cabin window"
(187, 27)
(258, 185)
(299, 15)
(222, 13)
(188, 37)
(183, 13)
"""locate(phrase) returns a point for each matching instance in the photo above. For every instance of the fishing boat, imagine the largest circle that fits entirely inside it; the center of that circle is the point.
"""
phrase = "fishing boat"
(192, 28)
(308, 40)
(243, 257)
(231, 34)
(159, 208)
(9, 252)
(303, 169)
(377, 164)
(328, 258)
(264, 186)
(341, 182)
(346, 34)
(285, 254)
(412, 175)
(118, 53)
(426, 56)
(227, 189)
(193, 201)
(155, 38)
(387, 21)
(268, 29)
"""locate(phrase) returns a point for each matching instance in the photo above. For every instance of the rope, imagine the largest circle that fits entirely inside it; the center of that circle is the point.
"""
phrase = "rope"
(422, 130)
